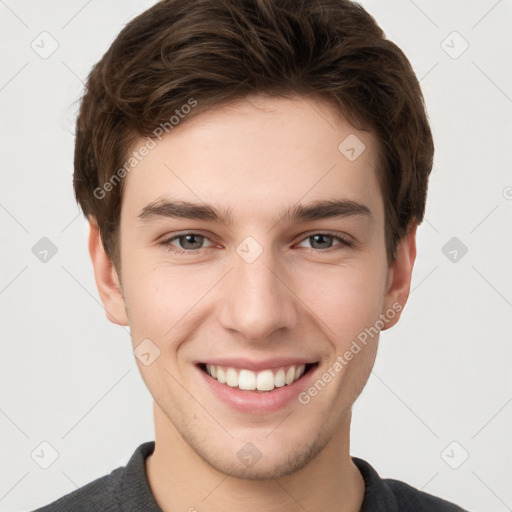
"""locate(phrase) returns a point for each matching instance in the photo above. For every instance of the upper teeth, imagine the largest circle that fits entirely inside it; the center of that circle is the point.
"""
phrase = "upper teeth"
(264, 380)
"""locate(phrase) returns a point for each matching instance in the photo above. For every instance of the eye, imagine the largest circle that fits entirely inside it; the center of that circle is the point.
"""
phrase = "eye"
(324, 242)
(191, 242)
(186, 242)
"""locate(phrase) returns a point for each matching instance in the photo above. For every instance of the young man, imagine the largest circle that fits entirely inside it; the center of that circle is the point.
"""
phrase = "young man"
(253, 173)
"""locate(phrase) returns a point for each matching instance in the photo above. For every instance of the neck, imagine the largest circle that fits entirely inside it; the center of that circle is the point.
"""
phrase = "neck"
(181, 480)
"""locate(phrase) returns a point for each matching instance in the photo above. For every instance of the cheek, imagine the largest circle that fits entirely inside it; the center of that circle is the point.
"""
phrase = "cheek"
(154, 300)
(165, 301)
(345, 299)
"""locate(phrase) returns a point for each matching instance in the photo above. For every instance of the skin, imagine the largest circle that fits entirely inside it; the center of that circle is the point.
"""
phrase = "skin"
(256, 157)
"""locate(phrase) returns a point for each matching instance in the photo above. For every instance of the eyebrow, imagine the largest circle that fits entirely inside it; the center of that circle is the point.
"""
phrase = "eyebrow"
(316, 210)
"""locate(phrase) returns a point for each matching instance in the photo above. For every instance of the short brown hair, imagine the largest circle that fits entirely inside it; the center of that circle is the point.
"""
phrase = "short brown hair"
(217, 51)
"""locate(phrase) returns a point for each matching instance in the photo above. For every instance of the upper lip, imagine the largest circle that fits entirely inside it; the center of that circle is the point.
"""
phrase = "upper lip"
(248, 364)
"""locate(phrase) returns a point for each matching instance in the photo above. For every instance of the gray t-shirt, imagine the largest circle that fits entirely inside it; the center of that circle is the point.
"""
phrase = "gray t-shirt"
(126, 489)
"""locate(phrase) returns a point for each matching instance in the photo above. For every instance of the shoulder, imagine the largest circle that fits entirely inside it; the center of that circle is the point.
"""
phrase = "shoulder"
(410, 498)
(125, 488)
(100, 494)
(396, 496)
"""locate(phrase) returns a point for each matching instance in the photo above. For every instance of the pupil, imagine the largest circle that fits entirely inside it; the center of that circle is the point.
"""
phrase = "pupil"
(187, 237)
(321, 237)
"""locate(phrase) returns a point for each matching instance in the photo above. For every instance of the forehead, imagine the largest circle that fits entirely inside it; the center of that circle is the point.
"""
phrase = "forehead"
(255, 154)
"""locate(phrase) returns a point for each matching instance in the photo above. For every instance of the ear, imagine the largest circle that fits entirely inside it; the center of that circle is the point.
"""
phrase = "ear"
(107, 280)
(399, 276)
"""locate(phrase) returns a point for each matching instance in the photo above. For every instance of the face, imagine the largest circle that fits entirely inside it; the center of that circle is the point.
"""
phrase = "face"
(253, 249)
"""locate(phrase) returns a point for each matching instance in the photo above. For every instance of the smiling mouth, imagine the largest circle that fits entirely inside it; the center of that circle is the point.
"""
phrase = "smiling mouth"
(262, 381)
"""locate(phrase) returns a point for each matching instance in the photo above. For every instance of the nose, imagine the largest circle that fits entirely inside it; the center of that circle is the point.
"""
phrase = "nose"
(258, 299)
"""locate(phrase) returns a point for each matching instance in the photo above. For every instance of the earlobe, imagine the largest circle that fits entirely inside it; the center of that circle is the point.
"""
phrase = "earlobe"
(399, 278)
(106, 277)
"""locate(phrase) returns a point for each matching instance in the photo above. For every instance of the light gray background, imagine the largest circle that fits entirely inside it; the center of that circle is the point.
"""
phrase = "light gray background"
(443, 374)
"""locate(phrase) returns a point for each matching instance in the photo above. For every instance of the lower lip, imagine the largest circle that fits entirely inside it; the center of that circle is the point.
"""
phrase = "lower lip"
(256, 402)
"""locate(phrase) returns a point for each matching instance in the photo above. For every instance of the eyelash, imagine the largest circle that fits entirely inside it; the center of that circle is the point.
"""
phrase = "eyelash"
(344, 242)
